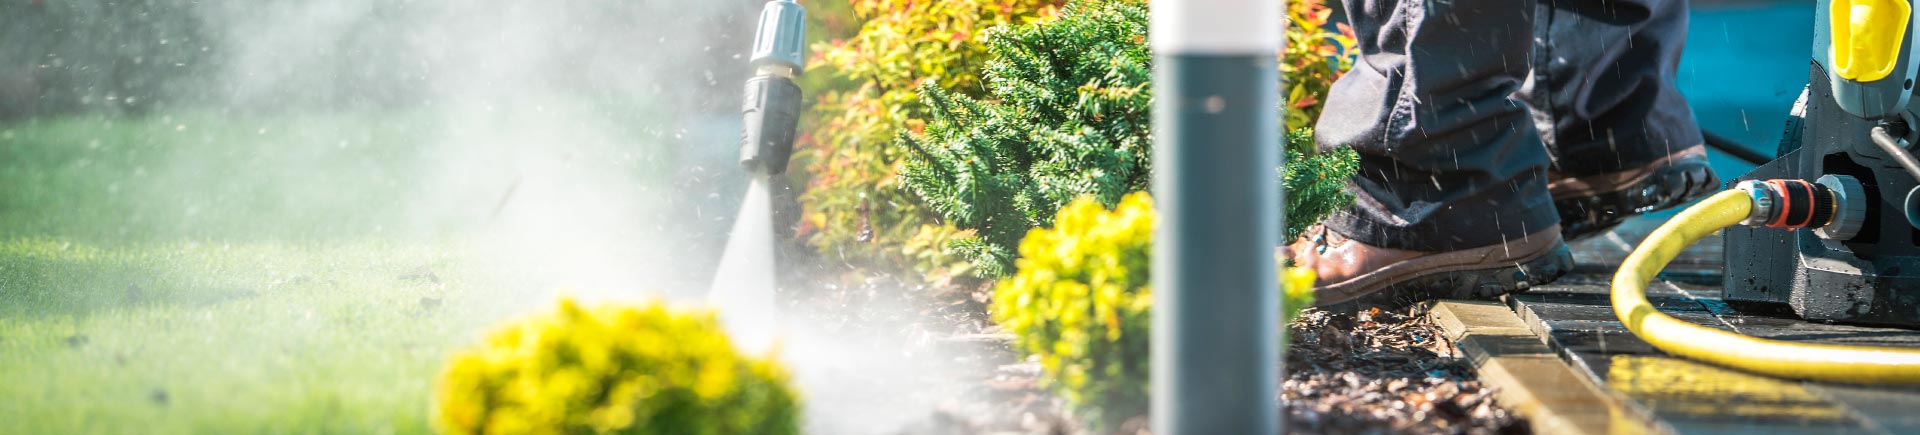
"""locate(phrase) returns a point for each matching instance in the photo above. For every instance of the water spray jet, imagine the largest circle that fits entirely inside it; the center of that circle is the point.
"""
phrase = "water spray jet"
(743, 286)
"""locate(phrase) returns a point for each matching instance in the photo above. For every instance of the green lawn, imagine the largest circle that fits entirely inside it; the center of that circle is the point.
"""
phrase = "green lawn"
(256, 337)
(214, 273)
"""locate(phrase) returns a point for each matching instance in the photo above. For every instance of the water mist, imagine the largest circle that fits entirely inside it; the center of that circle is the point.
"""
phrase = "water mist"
(743, 287)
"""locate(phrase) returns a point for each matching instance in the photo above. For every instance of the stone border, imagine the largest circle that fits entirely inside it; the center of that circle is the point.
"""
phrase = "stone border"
(1532, 379)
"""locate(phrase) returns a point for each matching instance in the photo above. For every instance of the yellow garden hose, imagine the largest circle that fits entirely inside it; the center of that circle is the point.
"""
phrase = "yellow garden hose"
(1812, 361)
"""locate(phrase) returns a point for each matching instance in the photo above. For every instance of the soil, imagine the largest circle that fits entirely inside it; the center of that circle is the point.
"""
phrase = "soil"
(1367, 372)
(1384, 372)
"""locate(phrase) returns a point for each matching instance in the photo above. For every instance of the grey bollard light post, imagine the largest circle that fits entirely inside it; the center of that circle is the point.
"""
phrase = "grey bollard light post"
(1216, 356)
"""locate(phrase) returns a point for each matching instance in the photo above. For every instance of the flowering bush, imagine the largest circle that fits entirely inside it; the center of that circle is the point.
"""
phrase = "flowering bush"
(1068, 115)
(1081, 301)
(854, 206)
(1312, 59)
(613, 369)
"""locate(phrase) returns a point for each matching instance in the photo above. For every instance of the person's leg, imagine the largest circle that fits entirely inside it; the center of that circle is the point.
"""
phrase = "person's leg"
(1452, 189)
(1623, 139)
(1448, 159)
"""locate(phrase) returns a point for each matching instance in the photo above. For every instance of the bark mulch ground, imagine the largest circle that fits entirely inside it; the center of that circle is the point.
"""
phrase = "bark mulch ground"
(1369, 372)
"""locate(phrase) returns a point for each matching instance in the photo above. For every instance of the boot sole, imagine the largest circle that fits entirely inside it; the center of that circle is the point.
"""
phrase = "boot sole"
(1673, 185)
(1477, 283)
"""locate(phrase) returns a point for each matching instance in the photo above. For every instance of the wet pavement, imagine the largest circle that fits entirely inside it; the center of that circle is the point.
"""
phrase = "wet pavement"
(1681, 396)
(1768, 41)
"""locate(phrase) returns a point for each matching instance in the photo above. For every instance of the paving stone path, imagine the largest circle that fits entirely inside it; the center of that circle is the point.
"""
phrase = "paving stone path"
(1577, 322)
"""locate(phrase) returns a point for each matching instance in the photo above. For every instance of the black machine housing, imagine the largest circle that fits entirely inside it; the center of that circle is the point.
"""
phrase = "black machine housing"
(1873, 278)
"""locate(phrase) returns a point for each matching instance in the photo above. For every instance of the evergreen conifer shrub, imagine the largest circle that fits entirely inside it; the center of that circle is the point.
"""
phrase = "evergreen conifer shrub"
(1066, 115)
(854, 207)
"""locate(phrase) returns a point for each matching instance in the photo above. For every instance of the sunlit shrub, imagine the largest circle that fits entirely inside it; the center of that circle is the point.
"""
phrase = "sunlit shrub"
(613, 369)
(854, 206)
(1067, 115)
(1312, 59)
(1315, 182)
(1082, 302)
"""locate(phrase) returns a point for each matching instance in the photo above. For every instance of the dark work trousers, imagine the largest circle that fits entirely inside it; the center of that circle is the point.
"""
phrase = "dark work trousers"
(1461, 109)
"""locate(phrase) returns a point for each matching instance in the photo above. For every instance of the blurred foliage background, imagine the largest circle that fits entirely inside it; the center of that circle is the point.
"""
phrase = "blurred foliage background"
(272, 205)
(281, 216)
(138, 56)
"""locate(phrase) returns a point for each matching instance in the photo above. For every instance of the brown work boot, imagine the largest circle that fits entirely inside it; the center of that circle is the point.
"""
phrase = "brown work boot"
(1355, 275)
(1592, 204)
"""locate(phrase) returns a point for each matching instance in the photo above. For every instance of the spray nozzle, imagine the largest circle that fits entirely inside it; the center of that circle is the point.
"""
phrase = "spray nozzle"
(772, 106)
(782, 38)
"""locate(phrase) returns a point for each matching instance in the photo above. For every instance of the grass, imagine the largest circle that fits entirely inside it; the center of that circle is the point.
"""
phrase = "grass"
(212, 273)
(204, 175)
(195, 338)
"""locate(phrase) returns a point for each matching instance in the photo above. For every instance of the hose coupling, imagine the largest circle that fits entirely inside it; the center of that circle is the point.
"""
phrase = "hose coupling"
(1763, 202)
(1790, 204)
(1849, 207)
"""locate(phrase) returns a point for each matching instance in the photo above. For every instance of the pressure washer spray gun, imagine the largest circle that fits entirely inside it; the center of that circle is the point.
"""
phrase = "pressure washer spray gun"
(744, 286)
(772, 107)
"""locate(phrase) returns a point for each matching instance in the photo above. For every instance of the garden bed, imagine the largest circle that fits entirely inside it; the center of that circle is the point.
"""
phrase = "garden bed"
(1369, 372)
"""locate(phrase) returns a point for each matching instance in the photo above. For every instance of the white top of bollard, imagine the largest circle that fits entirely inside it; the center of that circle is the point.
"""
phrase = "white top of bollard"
(1216, 26)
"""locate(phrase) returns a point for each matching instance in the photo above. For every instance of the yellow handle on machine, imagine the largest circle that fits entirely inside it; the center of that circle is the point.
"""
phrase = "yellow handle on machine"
(1867, 36)
(1812, 361)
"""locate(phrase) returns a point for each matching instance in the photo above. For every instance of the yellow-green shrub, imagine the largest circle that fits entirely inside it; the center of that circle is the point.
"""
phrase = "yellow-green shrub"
(613, 369)
(1081, 301)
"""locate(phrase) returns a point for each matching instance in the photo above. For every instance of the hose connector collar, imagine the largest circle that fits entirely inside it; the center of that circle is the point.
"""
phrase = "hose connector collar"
(1849, 207)
(1764, 203)
(1789, 204)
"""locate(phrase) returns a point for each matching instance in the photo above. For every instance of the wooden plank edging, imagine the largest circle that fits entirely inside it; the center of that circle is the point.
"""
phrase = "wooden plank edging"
(1532, 380)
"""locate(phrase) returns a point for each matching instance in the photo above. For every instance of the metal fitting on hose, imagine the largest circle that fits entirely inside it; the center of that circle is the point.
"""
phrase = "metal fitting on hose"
(1763, 202)
(1789, 204)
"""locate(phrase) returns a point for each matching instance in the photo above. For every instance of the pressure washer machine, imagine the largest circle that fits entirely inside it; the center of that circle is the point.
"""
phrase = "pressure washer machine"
(1847, 152)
